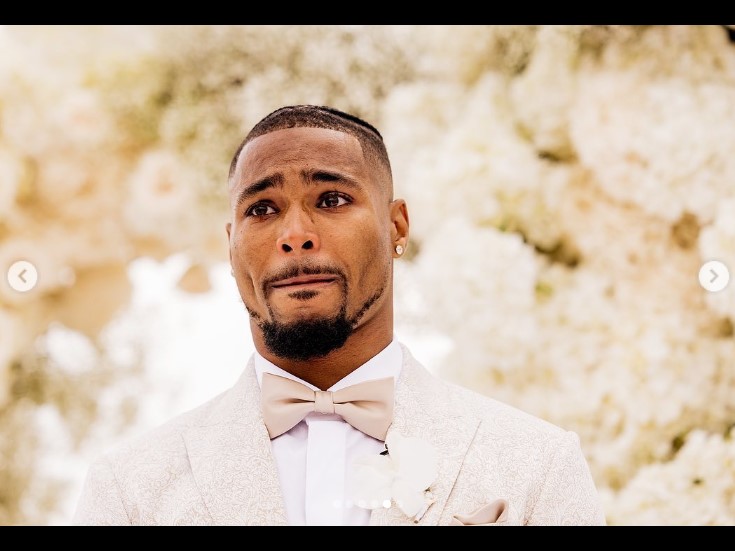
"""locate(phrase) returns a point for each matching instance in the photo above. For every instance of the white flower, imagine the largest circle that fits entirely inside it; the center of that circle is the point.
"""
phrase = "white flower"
(402, 476)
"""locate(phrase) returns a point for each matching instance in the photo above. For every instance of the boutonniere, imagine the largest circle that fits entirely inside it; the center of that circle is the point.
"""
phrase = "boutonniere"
(401, 475)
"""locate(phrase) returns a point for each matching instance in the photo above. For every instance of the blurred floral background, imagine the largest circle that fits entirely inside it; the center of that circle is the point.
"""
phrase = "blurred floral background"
(565, 184)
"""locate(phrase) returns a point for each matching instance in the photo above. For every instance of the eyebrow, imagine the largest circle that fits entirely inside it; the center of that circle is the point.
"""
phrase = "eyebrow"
(321, 176)
(275, 180)
(310, 176)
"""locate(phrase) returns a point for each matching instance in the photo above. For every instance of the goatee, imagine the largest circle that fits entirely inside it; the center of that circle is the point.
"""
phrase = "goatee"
(306, 339)
(312, 338)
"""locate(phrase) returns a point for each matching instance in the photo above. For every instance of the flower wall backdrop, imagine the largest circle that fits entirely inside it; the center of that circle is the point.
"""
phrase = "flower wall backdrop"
(564, 185)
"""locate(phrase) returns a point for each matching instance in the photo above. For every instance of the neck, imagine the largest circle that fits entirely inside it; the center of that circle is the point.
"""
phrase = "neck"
(364, 343)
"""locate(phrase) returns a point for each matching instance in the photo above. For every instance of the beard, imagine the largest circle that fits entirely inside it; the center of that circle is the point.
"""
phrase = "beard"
(314, 338)
(307, 339)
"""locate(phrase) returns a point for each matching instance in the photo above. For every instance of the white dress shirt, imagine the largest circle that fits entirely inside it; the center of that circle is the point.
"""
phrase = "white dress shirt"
(314, 457)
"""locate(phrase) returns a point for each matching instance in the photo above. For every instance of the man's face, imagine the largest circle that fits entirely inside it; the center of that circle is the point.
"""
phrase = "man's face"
(312, 237)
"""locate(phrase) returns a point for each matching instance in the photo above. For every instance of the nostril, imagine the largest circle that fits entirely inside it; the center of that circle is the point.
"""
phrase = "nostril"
(287, 248)
(308, 245)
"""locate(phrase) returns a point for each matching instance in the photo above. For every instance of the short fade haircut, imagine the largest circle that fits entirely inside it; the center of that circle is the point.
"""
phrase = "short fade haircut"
(320, 116)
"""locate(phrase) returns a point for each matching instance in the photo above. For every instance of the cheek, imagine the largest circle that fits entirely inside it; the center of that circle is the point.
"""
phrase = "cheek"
(373, 254)
(246, 261)
(245, 246)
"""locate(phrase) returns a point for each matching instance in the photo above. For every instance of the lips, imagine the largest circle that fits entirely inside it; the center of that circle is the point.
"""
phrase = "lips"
(303, 281)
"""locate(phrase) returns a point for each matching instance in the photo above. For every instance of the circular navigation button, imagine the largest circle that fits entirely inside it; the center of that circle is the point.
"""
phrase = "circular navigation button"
(22, 276)
(714, 276)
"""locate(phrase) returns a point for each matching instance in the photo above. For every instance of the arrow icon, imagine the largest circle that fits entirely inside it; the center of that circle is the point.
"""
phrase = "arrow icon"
(22, 276)
(714, 276)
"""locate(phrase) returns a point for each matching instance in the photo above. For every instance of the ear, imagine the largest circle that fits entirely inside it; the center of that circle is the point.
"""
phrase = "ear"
(228, 228)
(399, 225)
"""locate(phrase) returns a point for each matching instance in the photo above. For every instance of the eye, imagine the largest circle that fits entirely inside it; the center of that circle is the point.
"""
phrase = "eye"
(260, 209)
(333, 199)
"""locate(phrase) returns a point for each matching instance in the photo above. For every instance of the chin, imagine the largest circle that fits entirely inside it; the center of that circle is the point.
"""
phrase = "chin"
(308, 315)
(312, 309)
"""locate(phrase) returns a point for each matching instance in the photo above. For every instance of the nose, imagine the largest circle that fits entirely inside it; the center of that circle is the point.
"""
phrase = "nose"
(298, 234)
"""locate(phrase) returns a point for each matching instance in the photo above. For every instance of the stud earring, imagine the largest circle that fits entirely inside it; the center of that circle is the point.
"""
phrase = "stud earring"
(399, 250)
(232, 272)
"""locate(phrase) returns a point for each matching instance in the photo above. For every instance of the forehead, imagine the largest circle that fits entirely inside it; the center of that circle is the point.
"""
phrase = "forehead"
(300, 148)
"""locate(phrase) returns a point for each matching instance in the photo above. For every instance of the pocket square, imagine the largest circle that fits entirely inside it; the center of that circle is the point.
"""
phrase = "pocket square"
(492, 514)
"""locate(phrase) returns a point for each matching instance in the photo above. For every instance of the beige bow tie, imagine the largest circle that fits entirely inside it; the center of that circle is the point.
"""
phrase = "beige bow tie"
(366, 406)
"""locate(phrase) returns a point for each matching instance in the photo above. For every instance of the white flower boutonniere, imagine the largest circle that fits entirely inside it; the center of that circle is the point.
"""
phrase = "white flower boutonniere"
(401, 475)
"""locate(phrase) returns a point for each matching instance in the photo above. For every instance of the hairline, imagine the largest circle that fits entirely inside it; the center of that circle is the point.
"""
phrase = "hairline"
(370, 140)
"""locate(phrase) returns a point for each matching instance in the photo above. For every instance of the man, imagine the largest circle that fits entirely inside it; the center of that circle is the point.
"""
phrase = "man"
(313, 234)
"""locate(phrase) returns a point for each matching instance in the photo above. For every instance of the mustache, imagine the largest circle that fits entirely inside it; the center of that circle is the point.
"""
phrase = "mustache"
(295, 270)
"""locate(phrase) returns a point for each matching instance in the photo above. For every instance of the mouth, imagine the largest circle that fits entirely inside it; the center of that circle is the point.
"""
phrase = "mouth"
(304, 282)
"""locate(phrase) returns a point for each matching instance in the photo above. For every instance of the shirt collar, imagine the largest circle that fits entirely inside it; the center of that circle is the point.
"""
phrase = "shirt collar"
(386, 363)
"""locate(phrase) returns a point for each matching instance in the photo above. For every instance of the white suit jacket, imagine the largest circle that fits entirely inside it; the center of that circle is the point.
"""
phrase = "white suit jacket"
(213, 465)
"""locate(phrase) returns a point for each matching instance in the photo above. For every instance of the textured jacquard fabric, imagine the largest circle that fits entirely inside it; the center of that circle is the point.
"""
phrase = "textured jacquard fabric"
(214, 465)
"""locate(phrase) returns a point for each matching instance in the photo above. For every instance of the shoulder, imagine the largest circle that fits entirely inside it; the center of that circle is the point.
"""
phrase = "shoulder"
(494, 416)
(537, 466)
(150, 478)
(499, 417)
(495, 429)
(161, 449)
(517, 439)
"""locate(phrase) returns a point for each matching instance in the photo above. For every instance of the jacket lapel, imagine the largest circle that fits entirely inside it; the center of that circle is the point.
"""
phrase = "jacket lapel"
(421, 410)
(231, 459)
